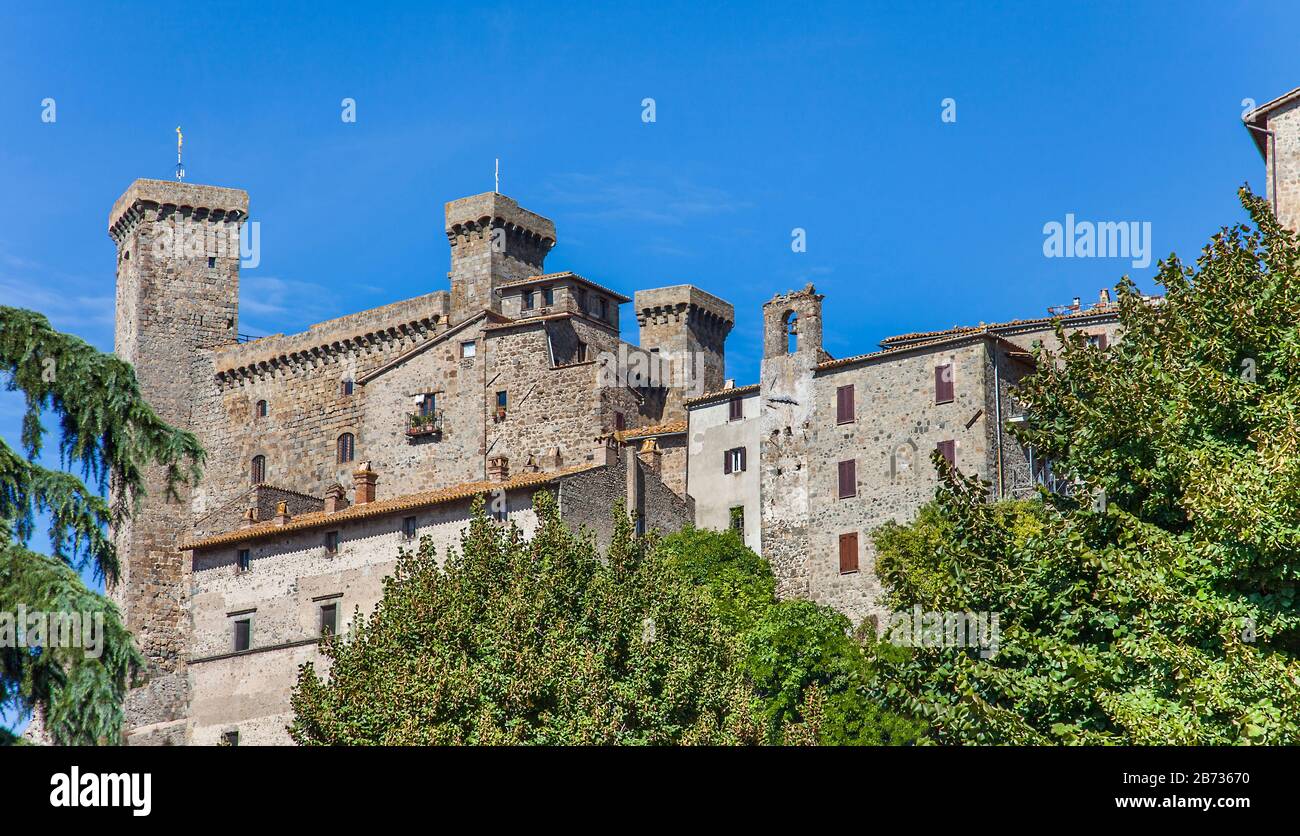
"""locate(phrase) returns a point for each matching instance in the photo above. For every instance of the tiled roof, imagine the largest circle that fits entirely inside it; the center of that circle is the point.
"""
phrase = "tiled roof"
(893, 350)
(566, 274)
(1257, 117)
(670, 428)
(1110, 311)
(409, 502)
(709, 397)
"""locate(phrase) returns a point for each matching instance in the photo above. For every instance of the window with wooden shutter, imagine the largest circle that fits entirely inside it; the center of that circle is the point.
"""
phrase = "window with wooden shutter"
(848, 553)
(733, 461)
(844, 405)
(943, 383)
(948, 449)
(848, 473)
(735, 409)
(742, 458)
(726, 462)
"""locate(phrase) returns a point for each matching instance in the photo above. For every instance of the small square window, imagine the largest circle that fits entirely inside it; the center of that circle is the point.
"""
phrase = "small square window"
(735, 409)
(733, 461)
(469, 348)
(548, 296)
(604, 308)
(408, 528)
(738, 519)
(245, 560)
(243, 634)
(230, 738)
(212, 262)
(331, 542)
(620, 423)
(329, 619)
(262, 409)
(528, 300)
(346, 386)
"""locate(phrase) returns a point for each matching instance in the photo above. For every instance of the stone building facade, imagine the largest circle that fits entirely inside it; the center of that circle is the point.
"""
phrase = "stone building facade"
(826, 450)
(512, 373)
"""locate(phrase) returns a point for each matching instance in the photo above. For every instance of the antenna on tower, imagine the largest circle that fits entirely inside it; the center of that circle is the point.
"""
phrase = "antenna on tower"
(496, 188)
(180, 140)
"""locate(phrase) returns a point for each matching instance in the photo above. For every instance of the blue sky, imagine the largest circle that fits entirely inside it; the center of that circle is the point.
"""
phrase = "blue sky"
(769, 117)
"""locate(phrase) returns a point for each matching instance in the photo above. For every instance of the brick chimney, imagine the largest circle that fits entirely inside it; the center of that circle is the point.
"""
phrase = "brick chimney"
(606, 451)
(281, 513)
(250, 518)
(336, 498)
(498, 469)
(650, 455)
(364, 480)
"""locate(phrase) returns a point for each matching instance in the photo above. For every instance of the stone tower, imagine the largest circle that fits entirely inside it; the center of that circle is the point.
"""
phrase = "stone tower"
(687, 328)
(792, 347)
(493, 241)
(177, 298)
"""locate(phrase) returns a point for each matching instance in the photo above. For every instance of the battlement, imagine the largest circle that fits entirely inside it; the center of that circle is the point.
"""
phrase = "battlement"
(684, 302)
(493, 241)
(216, 202)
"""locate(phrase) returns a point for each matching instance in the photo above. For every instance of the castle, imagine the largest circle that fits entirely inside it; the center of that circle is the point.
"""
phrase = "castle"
(331, 448)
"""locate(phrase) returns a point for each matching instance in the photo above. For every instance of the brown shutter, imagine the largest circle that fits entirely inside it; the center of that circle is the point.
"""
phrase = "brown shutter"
(848, 552)
(943, 383)
(948, 449)
(726, 462)
(1101, 341)
(844, 405)
(742, 458)
(735, 410)
(848, 478)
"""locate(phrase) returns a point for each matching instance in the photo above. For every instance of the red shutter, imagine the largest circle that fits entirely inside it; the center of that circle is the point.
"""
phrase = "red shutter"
(948, 449)
(848, 478)
(943, 383)
(844, 405)
(848, 552)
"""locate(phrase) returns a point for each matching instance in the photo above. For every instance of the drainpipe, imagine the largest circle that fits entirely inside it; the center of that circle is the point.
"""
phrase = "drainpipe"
(997, 416)
(1272, 162)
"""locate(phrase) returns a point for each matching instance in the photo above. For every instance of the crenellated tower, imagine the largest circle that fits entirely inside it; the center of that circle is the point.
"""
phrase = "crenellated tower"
(493, 241)
(177, 298)
(687, 328)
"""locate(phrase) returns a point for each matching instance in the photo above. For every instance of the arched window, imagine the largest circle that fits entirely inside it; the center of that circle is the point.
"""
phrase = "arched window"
(791, 324)
(261, 409)
(257, 472)
(347, 448)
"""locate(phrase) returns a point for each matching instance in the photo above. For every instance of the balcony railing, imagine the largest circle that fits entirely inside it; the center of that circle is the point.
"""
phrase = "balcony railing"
(419, 425)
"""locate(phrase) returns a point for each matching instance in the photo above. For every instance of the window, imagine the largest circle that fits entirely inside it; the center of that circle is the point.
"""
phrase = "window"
(230, 738)
(620, 423)
(262, 409)
(582, 300)
(604, 308)
(245, 560)
(738, 519)
(346, 448)
(501, 404)
(548, 296)
(791, 327)
(848, 553)
(844, 404)
(345, 387)
(1097, 340)
(408, 528)
(331, 542)
(528, 300)
(257, 472)
(428, 405)
(329, 619)
(580, 353)
(733, 461)
(468, 348)
(948, 449)
(212, 262)
(735, 409)
(943, 383)
(243, 634)
(848, 478)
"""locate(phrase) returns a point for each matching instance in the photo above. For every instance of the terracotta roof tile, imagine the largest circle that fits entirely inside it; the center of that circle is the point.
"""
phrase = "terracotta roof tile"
(670, 428)
(566, 274)
(708, 397)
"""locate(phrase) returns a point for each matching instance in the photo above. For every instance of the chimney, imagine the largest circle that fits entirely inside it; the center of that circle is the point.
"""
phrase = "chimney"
(250, 518)
(729, 383)
(606, 451)
(552, 460)
(1075, 304)
(335, 498)
(650, 455)
(363, 481)
(498, 469)
(281, 513)
(1103, 298)
(530, 466)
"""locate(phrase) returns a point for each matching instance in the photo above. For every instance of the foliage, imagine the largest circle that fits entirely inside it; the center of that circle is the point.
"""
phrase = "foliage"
(520, 642)
(1165, 614)
(798, 655)
(109, 432)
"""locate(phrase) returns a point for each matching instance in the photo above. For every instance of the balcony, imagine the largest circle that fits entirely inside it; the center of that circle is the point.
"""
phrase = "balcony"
(421, 425)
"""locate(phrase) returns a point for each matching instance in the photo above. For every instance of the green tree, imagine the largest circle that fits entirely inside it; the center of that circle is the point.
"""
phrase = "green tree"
(798, 655)
(111, 434)
(1158, 605)
(540, 641)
